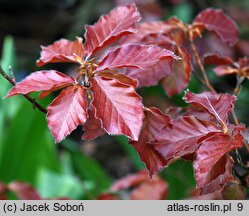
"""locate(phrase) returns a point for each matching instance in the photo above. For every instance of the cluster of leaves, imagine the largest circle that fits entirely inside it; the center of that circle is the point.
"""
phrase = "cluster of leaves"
(102, 95)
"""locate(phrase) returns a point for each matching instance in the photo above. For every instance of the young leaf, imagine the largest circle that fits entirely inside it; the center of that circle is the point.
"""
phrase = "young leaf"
(216, 177)
(216, 59)
(154, 121)
(218, 106)
(119, 22)
(118, 106)
(134, 55)
(151, 76)
(120, 77)
(210, 152)
(93, 127)
(146, 29)
(62, 51)
(216, 21)
(131, 180)
(155, 189)
(67, 111)
(182, 137)
(147, 189)
(178, 80)
(41, 81)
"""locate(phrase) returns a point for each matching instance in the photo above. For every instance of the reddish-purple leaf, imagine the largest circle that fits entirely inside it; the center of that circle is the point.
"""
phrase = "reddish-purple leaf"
(42, 81)
(92, 127)
(147, 189)
(178, 80)
(120, 77)
(210, 152)
(182, 137)
(154, 121)
(147, 28)
(160, 40)
(216, 21)
(216, 59)
(67, 111)
(24, 191)
(152, 75)
(134, 55)
(154, 189)
(119, 22)
(62, 51)
(118, 106)
(130, 181)
(218, 106)
(217, 176)
(222, 70)
(154, 27)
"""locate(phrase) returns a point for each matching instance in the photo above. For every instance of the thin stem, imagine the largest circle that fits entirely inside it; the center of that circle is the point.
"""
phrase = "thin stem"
(198, 59)
(235, 93)
(31, 100)
(206, 80)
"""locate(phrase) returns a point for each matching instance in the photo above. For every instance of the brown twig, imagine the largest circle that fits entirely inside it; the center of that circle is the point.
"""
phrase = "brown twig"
(235, 93)
(31, 100)
(198, 59)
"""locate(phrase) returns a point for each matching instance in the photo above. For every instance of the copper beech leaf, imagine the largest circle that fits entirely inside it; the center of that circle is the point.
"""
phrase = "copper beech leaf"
(155, 189)
(93, 126)
(120, 77)
(216, 59)
(216, 21)
(210, 153)
(118, 106)
(119, 22)
(62, 51)
(178, 80)
(49, 80)
(67, 111)
(182, 137)
(218, 105)
(130, 180)
(134, 55)
(145, 188)
(152, 75)
(154, 121)
(217, 177)
(146, 29)
(24, 191)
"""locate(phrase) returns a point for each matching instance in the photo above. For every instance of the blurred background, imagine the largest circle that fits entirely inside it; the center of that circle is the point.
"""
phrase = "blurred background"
(84, 169)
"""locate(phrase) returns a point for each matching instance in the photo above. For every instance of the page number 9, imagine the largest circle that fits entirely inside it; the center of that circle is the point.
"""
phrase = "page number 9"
(240, 206)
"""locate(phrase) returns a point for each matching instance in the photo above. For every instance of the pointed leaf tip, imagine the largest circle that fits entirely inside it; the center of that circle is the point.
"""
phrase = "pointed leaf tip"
(109, 28)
